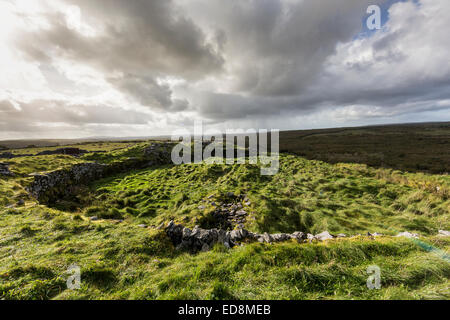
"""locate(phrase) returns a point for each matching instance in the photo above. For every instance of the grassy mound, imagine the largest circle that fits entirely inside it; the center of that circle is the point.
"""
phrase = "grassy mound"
(309, 196)
(122, 260)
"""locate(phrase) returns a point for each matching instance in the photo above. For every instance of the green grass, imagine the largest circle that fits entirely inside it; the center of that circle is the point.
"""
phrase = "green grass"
(119, 154)
(88, 146)
(305, 195)
(120, 260)
(419, 147)
(25, 165)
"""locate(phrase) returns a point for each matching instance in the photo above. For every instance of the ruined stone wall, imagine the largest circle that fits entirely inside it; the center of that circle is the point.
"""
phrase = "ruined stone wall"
(46, 187)
(4, 170)
(199, 239)
(49, 187)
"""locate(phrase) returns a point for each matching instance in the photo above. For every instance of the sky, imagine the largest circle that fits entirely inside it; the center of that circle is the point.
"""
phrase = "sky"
(85, 68)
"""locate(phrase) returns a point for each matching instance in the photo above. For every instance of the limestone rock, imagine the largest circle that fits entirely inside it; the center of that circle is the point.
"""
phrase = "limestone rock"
(280, 237)
(197, 239)
(323, 236)
(407, 234)
(299, 236)
(4, 170)
(444, 233)
(7, 155)
(267, 237)
(376, 234)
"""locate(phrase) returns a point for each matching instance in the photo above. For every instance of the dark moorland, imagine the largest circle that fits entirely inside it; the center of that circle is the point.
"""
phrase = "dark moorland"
(411, 147)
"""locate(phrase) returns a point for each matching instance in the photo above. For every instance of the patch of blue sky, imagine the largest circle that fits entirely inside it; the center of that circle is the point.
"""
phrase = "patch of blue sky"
(365, 31)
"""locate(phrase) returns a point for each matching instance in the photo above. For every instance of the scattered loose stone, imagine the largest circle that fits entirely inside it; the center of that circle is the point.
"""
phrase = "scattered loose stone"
(376, 234)
(4, 170)
(279, 237)
(160, 226)
(21, 202)
(7, 155)
(299, 236)
(407, 234)
(142, 225)
(323, 236)
(94, 218)
(444, 233)
(341, 235)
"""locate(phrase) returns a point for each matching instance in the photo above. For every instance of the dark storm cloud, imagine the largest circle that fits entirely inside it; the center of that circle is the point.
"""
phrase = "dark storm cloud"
(145, 90)
(281, 58)
(140, 41)
(282, 48)
(6, 107)
(237, 59)
(28, 115)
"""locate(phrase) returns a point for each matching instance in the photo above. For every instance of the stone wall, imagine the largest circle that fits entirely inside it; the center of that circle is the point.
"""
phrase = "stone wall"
(49, 187)
(76, 152)
(59, 183)
(4, 170)
(199, 239)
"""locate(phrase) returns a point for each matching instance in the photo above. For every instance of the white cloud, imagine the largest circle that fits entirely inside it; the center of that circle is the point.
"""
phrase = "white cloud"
(154, 66)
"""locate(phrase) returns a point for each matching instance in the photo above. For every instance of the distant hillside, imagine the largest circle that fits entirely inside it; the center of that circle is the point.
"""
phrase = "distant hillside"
(412, 147)
(419, 147)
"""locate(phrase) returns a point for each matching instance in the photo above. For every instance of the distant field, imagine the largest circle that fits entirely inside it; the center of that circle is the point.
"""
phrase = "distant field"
(410, 147)
(423, 147)
(23, 145)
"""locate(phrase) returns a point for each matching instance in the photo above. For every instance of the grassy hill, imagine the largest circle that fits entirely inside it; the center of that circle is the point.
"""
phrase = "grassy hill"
(419, 147)
(125, 254)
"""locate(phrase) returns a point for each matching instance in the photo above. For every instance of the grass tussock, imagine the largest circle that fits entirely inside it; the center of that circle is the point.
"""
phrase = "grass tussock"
(119, 259)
